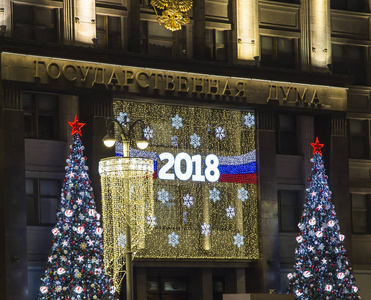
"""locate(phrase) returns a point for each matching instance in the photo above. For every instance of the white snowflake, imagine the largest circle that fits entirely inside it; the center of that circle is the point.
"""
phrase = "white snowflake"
(148, 133)
(205, 229)
(230, 212)
(195, 140)
(214, 195)
(163, 196)
(177, 122)
(173, 239)
(188, 200)
(123, 118)
(151, 221)
(238, 240)
(249, 120)
(121, 240)
(220, 134)
(185, 220)
(174, 141)
(243, 194)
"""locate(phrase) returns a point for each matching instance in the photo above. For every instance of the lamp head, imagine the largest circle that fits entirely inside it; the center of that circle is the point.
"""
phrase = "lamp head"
(109, 140)
(142, 144)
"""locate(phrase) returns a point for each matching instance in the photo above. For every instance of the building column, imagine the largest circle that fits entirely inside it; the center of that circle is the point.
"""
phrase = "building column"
(199, 29)
(240, 281)
(13, 220)
(207, 284)
(339, 176)
(6, 16)
(85, 23)
(141, 286)
(68, 22)
(305, 50)
(133, 25)
(268, 266)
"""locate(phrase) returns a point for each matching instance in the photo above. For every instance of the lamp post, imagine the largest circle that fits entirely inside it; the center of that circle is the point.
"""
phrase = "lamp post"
(126, 135)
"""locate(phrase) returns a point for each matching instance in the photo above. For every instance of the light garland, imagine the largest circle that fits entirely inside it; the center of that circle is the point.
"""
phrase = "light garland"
(191, 220)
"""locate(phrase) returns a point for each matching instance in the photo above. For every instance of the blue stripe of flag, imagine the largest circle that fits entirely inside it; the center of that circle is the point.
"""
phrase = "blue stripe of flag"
(238, 169)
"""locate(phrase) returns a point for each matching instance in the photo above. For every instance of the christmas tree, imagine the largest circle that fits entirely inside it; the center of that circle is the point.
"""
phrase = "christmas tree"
(75, 267)
(322, 269)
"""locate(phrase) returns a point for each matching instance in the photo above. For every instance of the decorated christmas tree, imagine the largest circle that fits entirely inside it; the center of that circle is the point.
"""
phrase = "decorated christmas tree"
(322, 269)
(75, 267)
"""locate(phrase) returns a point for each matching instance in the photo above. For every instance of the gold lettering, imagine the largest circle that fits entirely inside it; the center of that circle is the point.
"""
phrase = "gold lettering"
(64, 69)
(127, 77)
(226, 89)
(84, 73)
(114, 78)
(240, 89)
(315, 99)
(270, 93)
(96, 76)
(157, 75)
(48, 70)
(196, 85)
(169, 84)
(301, 98)
(137, 78)
(183, 81)
(285, 91)
(213, 87)
(37, 67)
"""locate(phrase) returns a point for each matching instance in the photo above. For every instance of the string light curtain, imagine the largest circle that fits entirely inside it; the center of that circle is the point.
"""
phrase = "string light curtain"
(195, 218)
(127, 189)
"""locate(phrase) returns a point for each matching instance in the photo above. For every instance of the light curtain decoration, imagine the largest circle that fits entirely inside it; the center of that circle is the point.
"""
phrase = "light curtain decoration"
(198, 216)
(127, 198)
(173, 12)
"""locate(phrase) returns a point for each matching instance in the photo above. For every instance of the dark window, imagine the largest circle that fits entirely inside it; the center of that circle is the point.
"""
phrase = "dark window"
(167, 288)
(156, 40)
(144, 3)
(350, 60)
(35, 23)
(358, 139)
(289, 210)
(351, 5)
(361, 208)
(40, 116)
(218, 288)
(109, 32)
(42, 196)
(216, 44)
(277, 52)
(286, 135)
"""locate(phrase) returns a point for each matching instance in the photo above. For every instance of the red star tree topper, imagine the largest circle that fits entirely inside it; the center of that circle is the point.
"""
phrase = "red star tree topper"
(76, 126)
(317, 147)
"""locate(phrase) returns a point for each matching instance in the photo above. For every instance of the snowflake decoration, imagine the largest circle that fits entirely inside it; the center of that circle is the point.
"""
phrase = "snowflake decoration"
(151, 221)
(163, 196)
(214, 195)
(185, 220)
(173, 239)
(195, 140)
(205, 229)
(220, 133)
(121, 240)
(177, 122)
(188, 200)
(230, 212)
(123, 118)
(238, 240)
(243, 194)
(148, 133)
(174, 141)
(249, 120)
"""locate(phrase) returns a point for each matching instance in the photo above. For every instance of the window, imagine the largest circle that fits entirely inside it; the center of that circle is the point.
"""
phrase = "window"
(289, 210)
(156, 40)
(286, 135)
(361, 208)
(216, 44)
(277, 52)
(358, 139)
(40, 115)
(35, 23)
(350, 60)
(42, 196)
(352, 5)
(109, 32)
(168, 288)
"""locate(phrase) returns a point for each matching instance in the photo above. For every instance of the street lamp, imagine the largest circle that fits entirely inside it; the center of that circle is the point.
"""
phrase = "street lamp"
(126, 135)
(126, 170)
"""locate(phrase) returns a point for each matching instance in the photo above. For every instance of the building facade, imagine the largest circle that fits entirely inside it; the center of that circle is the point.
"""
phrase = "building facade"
(300, 68)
